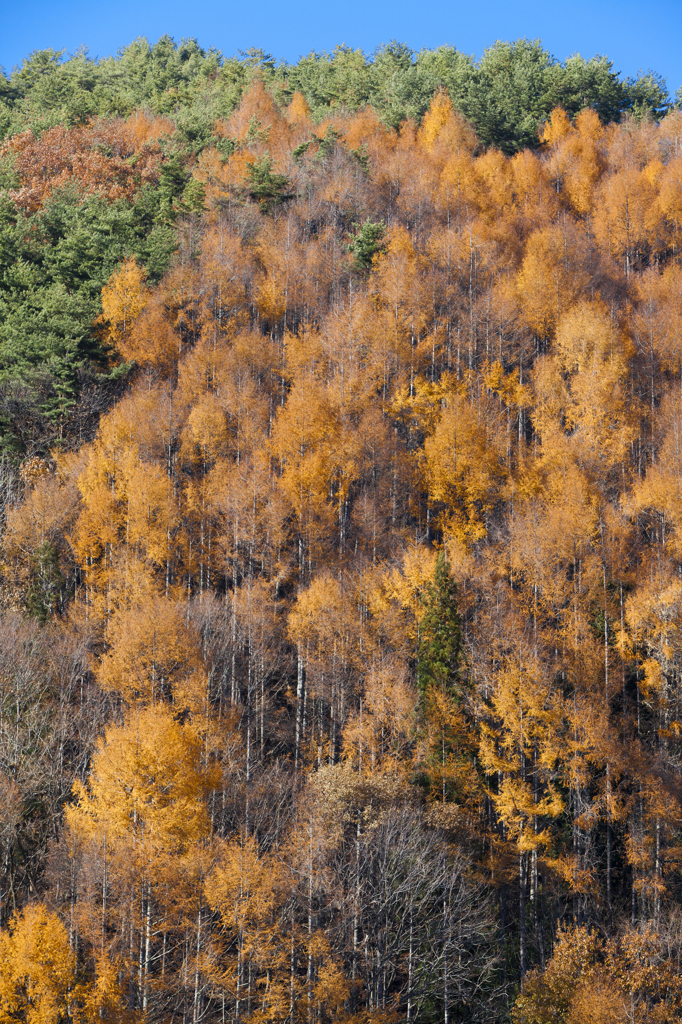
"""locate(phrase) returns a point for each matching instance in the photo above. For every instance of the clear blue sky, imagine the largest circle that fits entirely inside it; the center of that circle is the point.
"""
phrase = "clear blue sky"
(632, 33)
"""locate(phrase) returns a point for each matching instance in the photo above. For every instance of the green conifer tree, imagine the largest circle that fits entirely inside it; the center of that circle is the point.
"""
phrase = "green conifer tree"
(440, 634)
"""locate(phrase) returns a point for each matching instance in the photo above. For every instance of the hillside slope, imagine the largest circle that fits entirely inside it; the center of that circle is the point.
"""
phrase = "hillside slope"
(340, 660)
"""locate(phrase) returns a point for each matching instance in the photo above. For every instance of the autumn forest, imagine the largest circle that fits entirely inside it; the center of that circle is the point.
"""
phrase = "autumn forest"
(341, 539)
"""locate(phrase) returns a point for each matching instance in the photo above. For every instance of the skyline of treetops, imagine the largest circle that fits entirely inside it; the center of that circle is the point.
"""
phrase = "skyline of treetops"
(340, 539)
(520, 80)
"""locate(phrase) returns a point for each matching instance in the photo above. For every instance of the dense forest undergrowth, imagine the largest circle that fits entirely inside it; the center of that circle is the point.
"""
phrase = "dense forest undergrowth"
(341, 572)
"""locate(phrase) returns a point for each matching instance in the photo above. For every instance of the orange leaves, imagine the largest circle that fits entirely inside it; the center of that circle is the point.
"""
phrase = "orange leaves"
(459, 187)
(398, 282)
(322, 616)
(436, 117)
(298, 111)
(626, 218)
(157, 337)
(547, 280)
(555, 522)
(495, 172)
(255, 103)
(152, 340)
(152, 513)
(442, 125)
(581, 401)
(293, 272)
(657, 319)
(595, 353)
(222, 176)
(258, 124)
(251, 517)
(205, 434)
(658, 495)
(60, 155)
(364, 128)
(246, 888)
(124, 297)
(147, 786)
(577, 160)
(464, 466)
(545, 995)
(143, 131)
(153, 656)
(670, 193)
(223, 379)
(225, 271)
(37, 968)
(451, 141)
(389, 709)
(251, 534)
(305, 442)
(533, 196)
(588, 341)
(104, 999)
(125, 533)
(47, 511)
(557, 127)
(654, 620)
(405, 586)
(279, 262)
(271, 298)
(249, 890)
(592, 981)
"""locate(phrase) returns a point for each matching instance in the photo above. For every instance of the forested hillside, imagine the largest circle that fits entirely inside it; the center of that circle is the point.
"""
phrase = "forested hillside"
(341, 580)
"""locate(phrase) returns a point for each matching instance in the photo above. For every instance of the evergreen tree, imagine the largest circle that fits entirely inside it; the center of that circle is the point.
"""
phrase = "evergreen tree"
(366, 243)
(266, 187)
(440, 634)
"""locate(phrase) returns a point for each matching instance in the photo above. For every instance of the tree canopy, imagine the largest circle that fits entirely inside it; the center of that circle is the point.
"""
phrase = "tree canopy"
(340, 539)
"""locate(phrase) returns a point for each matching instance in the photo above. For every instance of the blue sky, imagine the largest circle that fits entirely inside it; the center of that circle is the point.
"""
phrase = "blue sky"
(633, 34)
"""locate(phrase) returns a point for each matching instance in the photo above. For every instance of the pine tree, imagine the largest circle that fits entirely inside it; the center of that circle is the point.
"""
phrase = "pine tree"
(366, 243)
(265, 186)
(440, 634)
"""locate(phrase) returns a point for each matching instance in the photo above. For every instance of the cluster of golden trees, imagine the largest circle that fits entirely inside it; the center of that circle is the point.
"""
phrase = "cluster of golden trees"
(252, 558)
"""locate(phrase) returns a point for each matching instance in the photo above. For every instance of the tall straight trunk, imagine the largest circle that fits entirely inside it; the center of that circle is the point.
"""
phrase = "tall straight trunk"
(446, 966)
(233, 673)
(310, 922)
(657, 872)
(195, 1007)
(608, 766)
(356, 913)
(299, 702)
(238, 993)
(410, 967)
(249, 716)
(292, 975)
(140, 957)
(147, 948)
(522, 913)
(104, 891)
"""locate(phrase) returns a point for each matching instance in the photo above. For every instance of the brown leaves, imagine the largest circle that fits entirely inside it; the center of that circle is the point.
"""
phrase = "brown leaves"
(588, 980)
(61, 155)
